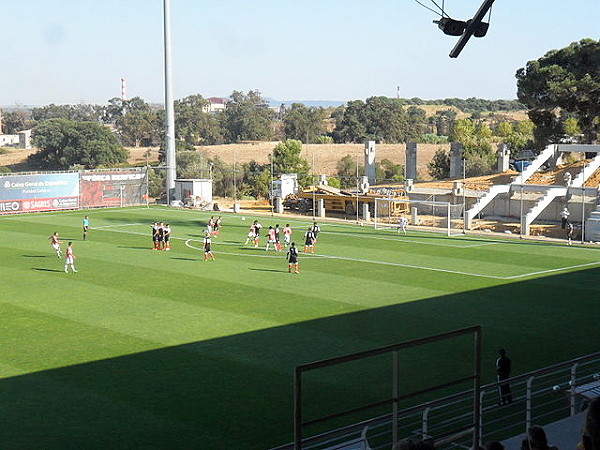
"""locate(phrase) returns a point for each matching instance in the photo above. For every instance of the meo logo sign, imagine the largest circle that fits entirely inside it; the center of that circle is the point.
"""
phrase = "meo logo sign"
(10, 206)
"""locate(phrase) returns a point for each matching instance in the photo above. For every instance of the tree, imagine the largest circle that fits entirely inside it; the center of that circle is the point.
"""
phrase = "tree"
(193, 124)
(64, 143)
(77, 113)
(303, 123)
(439, 166)
(391, 171)
(286, 159)
(568, 79)
(136, 122)
(15, 121)
(247, 117)
(346, 171)
(380, 119)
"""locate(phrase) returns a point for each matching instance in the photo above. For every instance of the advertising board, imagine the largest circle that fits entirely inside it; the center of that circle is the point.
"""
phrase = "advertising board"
(39, 192)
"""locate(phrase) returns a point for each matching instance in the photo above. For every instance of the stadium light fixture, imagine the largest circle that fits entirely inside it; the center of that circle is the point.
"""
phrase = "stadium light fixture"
(474, 27)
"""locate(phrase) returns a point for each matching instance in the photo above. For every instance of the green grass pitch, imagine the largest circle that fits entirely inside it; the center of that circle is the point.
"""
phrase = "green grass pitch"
(153, 349)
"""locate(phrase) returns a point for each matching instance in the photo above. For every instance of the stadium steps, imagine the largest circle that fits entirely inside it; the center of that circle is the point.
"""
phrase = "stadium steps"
(541, 204)
(587, 171)
(549, 152)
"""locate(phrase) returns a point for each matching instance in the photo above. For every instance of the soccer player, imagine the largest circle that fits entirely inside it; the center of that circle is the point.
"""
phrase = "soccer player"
(251, 234)
(167, 237)
(277, 236)
(55, 243)
(257, 227)
(316, 230)
(86, 226)
(217, 226)
(207, 251)
(402, 223)
(155, 242)
(569, 228)
(292, 257)
(161, 236)
(211, 225)
(70, 258)
(287, 235)
(271, 238)
(309, 240)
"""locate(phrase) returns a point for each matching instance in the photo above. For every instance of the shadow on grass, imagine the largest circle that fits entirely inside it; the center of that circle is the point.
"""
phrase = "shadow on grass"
(34, 256)
(237, 391)
(43, 269)
(267, 270)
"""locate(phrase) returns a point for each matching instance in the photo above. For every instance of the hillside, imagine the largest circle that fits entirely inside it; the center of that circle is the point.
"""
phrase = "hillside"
(326, 156)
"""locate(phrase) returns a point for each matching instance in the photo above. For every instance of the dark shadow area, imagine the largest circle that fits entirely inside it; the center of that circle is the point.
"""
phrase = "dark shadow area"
(42, 269)
(185, 259)
(235, 392)
(131, 247)
(267, 270)
(34, 256)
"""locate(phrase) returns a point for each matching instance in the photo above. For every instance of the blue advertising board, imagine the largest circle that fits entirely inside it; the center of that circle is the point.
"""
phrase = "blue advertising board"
(42, 192)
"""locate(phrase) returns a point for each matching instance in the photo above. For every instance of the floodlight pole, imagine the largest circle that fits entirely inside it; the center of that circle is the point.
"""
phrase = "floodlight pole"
(583, 201)
(464, 187)
(169, 107)
(357, 221)
(471, 27)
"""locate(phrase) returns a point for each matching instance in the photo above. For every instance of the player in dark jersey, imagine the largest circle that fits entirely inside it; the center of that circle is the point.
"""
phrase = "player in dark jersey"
(316, 229)
(167, 236)
(155, 236)
(207, 251)
(277, 238)
(309, 240)
(292, 257)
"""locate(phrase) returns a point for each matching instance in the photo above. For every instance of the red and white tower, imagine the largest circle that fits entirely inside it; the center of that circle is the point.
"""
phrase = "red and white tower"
(123, 89)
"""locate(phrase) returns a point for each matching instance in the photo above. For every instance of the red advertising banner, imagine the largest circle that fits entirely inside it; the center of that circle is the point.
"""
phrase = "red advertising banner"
(118, 188)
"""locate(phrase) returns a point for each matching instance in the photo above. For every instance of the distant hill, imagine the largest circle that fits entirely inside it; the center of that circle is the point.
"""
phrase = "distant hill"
(314, 103)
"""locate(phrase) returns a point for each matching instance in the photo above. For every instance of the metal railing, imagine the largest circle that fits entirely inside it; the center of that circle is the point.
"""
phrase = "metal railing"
(538, 398)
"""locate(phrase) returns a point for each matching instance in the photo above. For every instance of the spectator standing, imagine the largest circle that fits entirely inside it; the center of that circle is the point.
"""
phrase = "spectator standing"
(503, 366)
(590, 436)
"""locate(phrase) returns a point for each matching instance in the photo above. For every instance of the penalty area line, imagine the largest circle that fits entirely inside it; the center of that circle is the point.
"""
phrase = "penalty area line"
(559, 269)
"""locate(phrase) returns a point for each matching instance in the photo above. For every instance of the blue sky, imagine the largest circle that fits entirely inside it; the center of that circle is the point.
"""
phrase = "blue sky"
(72, 51)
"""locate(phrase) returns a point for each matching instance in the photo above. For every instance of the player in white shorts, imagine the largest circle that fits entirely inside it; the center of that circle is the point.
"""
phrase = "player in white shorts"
(70, 258)
(55, 243)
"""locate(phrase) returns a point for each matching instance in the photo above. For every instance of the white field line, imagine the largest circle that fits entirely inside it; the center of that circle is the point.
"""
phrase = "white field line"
(560, 269)
(367, 261)
(410, 241)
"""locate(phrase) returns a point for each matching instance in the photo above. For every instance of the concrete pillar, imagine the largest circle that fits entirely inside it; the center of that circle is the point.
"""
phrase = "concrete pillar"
(456, 157)
(370, 161)
(503, 158)
(320, 208)
(457, 188)
(363, 185)
(414, 217)
(278, 205)
(365, 213)
(411, 160)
